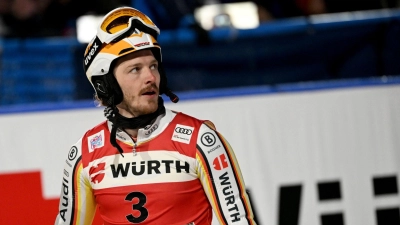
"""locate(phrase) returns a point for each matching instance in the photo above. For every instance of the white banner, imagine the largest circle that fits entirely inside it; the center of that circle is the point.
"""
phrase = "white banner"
(308, 158)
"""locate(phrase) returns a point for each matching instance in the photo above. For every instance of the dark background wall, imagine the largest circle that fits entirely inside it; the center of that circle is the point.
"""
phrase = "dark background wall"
(283, 51)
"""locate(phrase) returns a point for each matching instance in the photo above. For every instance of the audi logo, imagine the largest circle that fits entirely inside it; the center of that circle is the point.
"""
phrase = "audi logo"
(183, 131)
(152, 129)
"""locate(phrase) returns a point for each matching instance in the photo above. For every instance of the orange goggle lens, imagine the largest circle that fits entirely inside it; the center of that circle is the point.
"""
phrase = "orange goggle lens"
(121, 16)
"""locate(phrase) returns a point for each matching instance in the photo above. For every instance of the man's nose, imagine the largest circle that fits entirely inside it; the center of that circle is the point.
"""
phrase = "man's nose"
(150, 75)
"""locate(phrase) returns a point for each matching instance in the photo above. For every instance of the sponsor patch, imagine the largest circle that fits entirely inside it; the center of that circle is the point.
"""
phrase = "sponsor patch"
(96, 141)
(208, 139)
(182, 133)
(220, 162)
(96, 173)
(72, 153)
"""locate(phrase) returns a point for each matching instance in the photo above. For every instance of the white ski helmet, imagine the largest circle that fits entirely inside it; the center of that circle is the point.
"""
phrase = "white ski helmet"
(122, 31)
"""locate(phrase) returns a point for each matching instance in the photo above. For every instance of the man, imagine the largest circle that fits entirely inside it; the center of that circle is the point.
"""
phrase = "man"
(146, 164)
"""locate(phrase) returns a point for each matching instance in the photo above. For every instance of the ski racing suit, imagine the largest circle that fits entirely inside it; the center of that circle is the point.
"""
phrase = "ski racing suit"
(177, 172)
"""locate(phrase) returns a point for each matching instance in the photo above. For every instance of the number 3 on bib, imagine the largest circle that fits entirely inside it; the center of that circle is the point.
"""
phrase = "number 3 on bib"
(137, 207)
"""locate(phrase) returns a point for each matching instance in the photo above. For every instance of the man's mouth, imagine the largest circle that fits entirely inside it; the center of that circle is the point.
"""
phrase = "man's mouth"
(149, 93)
(149, 90)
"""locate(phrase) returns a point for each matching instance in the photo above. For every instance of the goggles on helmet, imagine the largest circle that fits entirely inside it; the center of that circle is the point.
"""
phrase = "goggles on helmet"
(119, 22)
(122, 31)
(117, 25)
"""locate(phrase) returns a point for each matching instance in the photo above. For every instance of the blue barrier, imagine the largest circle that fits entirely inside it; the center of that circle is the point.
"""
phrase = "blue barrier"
(217, 93)
(323, 47)
(37, 70)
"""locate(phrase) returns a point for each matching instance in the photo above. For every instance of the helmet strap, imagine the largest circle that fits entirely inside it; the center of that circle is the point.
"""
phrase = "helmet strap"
(120, 122)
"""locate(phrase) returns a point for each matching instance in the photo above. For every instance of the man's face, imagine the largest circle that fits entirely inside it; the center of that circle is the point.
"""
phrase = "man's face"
(137, 75)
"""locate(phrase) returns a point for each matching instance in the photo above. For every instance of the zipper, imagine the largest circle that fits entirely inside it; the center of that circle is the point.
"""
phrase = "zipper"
(134, 144)
(134, 149)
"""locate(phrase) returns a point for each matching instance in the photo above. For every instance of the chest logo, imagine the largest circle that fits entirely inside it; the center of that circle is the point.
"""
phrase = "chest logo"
(182, 133)
(96, 141)
(97, 173)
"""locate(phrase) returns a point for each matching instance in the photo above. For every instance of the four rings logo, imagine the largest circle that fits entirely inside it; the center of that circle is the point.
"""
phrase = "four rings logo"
(181, 130)
(151, 130)
(182, 133)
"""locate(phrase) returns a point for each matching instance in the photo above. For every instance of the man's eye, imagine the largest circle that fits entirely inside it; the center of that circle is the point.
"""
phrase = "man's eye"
(154, 66)
(134, 70)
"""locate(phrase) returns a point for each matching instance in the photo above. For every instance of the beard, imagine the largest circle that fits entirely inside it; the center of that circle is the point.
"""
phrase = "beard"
(139, 107)
(140, 104)
(146, 107)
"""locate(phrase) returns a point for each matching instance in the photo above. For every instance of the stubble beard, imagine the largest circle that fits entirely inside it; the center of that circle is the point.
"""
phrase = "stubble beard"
(142, 107)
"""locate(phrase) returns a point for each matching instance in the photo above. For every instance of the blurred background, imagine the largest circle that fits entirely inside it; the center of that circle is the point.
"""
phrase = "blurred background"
(319, 146)
(268, 42)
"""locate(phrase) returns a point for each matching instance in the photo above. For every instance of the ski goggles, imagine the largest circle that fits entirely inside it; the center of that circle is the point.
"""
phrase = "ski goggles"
(122, 22)
(117, 25)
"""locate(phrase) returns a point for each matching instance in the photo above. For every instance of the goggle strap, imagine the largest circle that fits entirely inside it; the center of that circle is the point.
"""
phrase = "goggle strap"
(142, 27)
(127, 33)
(92, 52)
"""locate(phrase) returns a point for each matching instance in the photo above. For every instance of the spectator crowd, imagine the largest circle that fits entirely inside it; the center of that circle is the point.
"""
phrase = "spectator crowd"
(40, 18)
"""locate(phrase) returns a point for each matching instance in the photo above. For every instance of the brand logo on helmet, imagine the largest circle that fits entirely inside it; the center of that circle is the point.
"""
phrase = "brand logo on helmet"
(91, 53)
(100, 88)
(142, 44)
